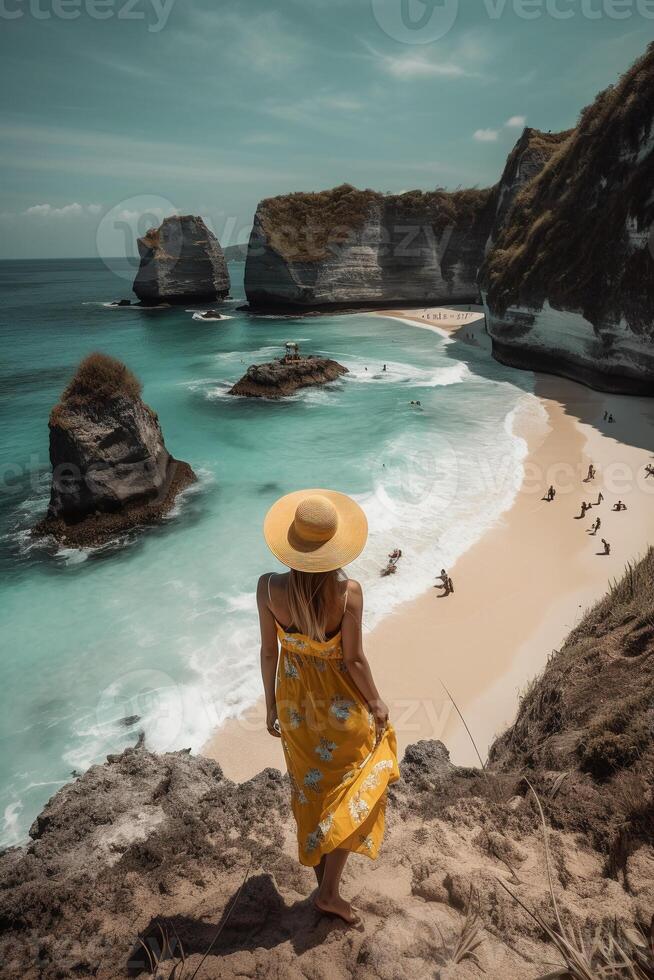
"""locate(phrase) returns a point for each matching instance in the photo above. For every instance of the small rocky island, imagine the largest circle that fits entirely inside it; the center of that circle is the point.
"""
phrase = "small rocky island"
(111, 471)
(181, 262)
(285, 376)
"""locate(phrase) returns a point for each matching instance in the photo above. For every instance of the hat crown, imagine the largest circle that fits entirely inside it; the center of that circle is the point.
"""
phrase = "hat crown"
(316, 519)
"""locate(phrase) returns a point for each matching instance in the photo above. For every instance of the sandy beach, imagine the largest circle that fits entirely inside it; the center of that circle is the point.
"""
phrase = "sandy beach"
(519, 590)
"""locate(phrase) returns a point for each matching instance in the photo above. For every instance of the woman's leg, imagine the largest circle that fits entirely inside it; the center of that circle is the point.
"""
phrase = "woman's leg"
(319, 869)
(328, 898)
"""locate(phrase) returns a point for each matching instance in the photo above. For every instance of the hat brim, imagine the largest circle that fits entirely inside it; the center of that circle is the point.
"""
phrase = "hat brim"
(324, 556)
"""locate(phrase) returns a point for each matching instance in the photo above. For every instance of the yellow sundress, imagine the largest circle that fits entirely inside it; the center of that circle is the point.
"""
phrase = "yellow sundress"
(338, 772)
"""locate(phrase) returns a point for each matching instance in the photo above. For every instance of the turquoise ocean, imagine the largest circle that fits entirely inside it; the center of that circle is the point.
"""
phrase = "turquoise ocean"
(162, 625)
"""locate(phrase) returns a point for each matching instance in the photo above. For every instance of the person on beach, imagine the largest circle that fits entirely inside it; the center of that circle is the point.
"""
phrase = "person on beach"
(321, 699)
(445, 583)
(607, 547)
(620, 506)
(384, 367)
(584, 508)
(649, 471)
(591, 473)
(596, 526)
(551, 494)
(600, 498)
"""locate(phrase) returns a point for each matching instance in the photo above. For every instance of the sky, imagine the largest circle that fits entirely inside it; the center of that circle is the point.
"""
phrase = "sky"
(114, 113)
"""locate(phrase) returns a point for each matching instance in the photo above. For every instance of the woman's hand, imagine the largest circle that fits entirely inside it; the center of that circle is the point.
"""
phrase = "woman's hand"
(272, 722)
(379, 711)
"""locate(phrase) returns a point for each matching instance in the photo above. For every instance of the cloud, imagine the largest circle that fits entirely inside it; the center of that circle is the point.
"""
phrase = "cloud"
(463, 60)
(263, 42)
(414, 65)
(324, 111)
(105, 154)
(515, 122)
(486, 135)
(262, 139)
(73, 210)
(340, 103)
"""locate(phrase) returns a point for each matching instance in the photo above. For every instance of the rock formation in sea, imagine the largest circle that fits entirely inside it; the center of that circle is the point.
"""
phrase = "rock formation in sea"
(278, 379)
(569, 283)
(110, 468)
(181, 262)
(346, 248)
(148, 860)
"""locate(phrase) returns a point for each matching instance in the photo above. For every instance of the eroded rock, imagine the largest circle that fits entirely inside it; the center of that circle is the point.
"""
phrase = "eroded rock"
(181, 262)
(111, 470)
(278, 379)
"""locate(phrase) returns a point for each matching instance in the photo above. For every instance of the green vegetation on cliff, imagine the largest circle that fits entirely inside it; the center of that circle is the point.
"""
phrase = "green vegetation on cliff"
(301, 226)
(570, 234)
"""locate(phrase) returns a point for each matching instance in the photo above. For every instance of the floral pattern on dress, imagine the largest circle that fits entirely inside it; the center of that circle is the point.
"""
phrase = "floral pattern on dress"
(325, 749)
(372, 779)
(295, 719)
(290, 669)
(312, 778)
(341, 708)
(319, 834)
(297, 791)
(295, 643)
(357, 806)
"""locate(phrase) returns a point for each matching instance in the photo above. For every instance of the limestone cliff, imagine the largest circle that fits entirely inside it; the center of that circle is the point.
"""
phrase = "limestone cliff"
(525, 162)
(111, 470)
(347, 248)
(181, 262)
(156, 865)
(569, 283)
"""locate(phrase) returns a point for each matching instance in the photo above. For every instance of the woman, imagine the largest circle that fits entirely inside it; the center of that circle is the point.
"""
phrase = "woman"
(321, 699)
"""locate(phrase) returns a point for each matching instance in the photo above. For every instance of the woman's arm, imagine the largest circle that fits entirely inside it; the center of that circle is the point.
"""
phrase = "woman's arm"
(269, 654)
(355, 659)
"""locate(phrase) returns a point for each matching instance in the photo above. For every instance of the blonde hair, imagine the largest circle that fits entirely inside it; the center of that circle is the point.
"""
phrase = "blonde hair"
(311, 597)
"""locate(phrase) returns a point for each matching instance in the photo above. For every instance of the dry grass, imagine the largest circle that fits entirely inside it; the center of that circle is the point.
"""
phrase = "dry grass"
(471, 936)
(99, 378)
(568, 227)
(301, 227)
(601, 958)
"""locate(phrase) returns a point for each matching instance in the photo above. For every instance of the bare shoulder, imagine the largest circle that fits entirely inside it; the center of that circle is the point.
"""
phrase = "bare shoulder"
(263, 583)
(354, 592)
(272, 580)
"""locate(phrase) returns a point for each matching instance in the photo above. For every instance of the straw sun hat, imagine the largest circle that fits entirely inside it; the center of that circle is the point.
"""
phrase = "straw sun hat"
(315, 530)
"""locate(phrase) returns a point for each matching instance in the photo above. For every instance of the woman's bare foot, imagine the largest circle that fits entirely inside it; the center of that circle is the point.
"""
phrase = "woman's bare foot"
(337, 906)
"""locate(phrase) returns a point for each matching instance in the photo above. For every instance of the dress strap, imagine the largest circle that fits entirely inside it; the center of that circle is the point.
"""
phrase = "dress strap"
(269, 578)
(345, 603)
